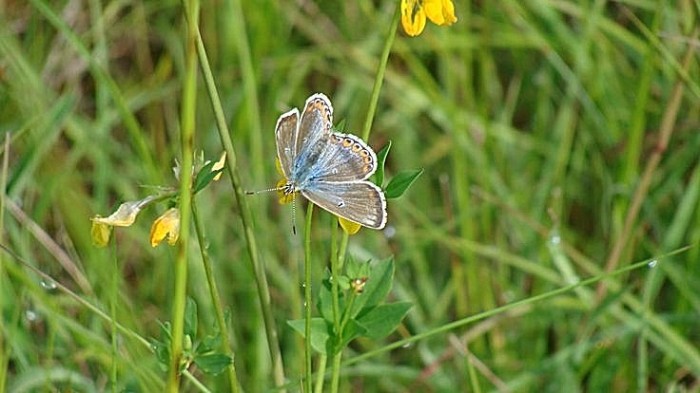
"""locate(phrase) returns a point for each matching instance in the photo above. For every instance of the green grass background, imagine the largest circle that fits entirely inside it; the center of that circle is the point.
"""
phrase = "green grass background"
(557, 138)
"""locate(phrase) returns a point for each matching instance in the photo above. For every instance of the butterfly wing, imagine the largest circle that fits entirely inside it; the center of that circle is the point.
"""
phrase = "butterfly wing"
(360, 201)
(286, 135)
(312, 136)
(344, 158)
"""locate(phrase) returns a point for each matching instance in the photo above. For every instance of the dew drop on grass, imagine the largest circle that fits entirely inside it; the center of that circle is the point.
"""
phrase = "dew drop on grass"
(31, 316)
(555, 239)
(652, 264)
(407, 345)
(48, 284)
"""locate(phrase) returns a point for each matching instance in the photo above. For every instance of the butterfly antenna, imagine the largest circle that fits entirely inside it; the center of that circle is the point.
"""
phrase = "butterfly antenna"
(294, 214)
(262, 191)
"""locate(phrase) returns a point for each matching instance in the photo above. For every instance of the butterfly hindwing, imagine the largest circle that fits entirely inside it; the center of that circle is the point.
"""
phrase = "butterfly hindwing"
(361, 201)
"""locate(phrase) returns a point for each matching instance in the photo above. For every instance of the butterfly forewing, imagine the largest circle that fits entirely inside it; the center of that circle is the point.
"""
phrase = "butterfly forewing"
(312, 136)
(361, 202)
(286, 134)
(344, 158)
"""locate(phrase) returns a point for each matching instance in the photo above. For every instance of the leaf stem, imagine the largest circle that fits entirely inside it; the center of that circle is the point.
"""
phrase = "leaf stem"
(216, 299)
(381, 71)
(246, 219)
(307, 298)
(187, 132)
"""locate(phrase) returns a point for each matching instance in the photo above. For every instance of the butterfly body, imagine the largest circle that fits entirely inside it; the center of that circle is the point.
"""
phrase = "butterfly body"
(329, 168)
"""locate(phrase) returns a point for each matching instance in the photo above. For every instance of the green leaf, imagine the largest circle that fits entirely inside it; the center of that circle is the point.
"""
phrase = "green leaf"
(379, 282)
(325, 301)
(205, 176)
(319, 332)
(213, 363)
(209, 343)
(190, 327)
(381, 159)
(401, 182)
(383, 319)
(351, 331)
(355, 269)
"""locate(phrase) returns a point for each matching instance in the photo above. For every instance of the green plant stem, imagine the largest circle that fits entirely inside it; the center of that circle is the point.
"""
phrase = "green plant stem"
(337, 327)
(371, 110)
(321, 373)
(307, 298)
(246, 219)
(113, 313)
(4, 350)
(216, 299)
(381, 71)
(187, 128)
(335, 374)
(335, 274)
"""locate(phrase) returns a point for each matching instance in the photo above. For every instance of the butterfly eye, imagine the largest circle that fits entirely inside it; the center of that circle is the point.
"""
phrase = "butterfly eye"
(347, 142)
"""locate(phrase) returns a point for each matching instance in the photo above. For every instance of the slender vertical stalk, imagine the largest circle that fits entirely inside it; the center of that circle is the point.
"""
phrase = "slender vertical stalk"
(371, 110)
(246, 220)
(335, 376)
(321, 373)
(215, 299)
(307, 298)
(187, 127)
(381, 71)
(4, 351)
(113, 314)
(335, 294)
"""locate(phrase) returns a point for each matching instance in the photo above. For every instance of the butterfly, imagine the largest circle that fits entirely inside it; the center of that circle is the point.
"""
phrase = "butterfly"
(328, 168)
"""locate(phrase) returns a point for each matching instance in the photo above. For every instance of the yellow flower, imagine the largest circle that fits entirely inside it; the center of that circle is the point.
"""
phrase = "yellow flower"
(414, 13)
(168, 225)
(348, 226)
(125, 215)
(100, 233)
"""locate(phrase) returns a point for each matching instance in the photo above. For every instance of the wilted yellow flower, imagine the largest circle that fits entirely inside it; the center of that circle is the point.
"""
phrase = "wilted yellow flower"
(168, 225)
(414, 13)
(100, 233)
(124, 216)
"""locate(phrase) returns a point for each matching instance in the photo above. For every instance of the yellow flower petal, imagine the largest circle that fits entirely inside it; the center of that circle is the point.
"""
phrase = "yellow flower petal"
(412, 17)
(348, 226)
(219, 165)
(100, 233)
(168, 224)
(440, 12)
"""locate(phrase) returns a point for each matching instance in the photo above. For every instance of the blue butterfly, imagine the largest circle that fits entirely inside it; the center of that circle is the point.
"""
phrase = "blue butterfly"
(329, 168)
